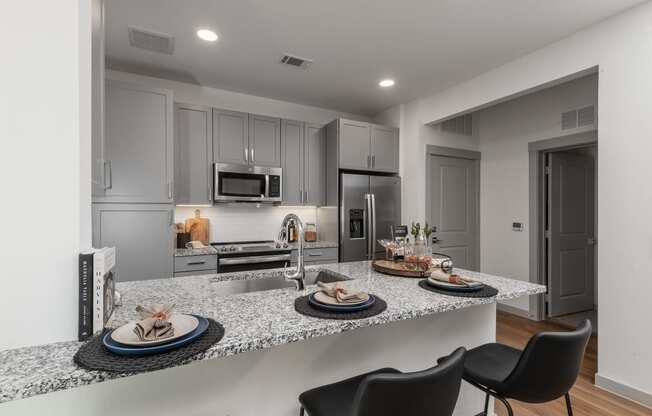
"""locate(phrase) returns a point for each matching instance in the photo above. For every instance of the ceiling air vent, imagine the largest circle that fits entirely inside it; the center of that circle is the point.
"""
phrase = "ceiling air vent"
(586, 116)
(569, 120)
(459, 125)
(296, 61)
(151, 41)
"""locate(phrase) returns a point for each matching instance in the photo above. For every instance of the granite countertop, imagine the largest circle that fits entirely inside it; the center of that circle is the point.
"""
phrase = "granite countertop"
(185, 252)
(253, 321)
(316, 244)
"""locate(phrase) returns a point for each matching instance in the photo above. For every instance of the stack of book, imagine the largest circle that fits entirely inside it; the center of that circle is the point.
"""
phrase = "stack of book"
(96, 290)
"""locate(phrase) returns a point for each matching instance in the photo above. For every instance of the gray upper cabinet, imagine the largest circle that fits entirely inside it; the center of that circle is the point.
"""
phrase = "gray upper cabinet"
(230, 137)
(368, 147)
(264, 141)
(384, 149)
(193, 154)
(315, 165)
(138, 145)
(143, 236)
(355, 140)
(292, 144)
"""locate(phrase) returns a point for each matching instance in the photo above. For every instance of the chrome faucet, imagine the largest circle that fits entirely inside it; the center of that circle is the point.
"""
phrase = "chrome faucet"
(299, 274)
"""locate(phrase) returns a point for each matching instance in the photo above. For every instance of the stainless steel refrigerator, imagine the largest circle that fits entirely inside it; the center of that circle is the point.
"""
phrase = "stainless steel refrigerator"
(369, 206)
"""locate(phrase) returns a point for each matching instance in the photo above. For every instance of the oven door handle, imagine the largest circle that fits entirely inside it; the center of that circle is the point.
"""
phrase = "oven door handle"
(254, 259)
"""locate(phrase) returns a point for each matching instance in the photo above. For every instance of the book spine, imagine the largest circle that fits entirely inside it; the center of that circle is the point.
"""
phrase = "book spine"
(98, 289)
(85, 324)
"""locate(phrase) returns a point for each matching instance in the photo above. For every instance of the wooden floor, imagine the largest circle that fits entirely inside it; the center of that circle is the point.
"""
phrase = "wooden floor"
(586, 397)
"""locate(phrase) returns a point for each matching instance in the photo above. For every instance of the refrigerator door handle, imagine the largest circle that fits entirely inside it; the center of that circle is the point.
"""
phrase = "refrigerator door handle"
(368, 219)
(372, 243)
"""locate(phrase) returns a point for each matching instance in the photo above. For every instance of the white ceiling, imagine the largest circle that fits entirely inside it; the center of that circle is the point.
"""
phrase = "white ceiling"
(425, 45)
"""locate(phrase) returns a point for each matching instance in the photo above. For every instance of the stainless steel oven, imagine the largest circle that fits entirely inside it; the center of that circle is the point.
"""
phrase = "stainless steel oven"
(234, 183)
(251, 255)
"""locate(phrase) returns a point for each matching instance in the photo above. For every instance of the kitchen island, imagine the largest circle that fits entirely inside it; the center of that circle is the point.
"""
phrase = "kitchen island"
(259, 367)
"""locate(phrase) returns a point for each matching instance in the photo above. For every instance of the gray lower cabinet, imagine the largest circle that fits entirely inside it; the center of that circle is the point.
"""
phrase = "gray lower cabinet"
(143, 235)
(194, 265)
(314, 256)
(303, 157)
(138, 145)
(368, 147)
(193, 155)
(230, 137)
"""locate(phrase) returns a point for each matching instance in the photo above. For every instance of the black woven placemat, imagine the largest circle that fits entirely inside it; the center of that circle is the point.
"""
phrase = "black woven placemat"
(93, 356)
(486, 291)
(302, 306)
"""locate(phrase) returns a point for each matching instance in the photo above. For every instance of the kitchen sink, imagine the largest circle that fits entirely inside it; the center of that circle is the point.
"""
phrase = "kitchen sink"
(268, 283)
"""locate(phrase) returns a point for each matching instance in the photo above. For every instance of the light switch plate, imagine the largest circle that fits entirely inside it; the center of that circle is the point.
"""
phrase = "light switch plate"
(517, 226)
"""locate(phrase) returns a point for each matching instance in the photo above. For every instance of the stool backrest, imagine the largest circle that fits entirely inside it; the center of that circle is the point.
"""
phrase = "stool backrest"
(549, 365)
(424, 393)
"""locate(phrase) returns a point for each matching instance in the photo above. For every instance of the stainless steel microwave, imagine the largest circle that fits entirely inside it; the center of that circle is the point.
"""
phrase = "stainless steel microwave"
(244, 183)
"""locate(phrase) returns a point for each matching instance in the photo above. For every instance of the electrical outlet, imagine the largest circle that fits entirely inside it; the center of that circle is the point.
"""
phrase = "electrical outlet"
(517, 226)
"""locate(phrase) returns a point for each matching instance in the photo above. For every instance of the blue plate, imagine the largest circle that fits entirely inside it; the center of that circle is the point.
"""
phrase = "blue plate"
(120, 349)
(341, 308)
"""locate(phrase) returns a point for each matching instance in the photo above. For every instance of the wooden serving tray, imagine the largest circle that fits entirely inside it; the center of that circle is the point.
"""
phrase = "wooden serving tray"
(397, 268)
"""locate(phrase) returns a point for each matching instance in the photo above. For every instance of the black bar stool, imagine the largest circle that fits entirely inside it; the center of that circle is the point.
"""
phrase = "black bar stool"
(388, 392)
(544, 371)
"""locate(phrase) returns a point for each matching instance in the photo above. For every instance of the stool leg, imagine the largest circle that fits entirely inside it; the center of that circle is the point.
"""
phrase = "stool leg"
(510, 412)
(302, 412)
(569, 408)
(486, 405)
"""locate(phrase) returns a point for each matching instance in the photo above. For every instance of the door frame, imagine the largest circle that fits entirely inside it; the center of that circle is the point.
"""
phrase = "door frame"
(536, 153)
(432, 150)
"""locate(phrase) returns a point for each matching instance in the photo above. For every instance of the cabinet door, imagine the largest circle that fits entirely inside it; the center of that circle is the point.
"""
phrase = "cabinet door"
(142, 235)
(230, 137)
(354, 142)
(315, 165)
(292, 144)
(139, 144)
(264, 141)
(193, 154)
(384, 149)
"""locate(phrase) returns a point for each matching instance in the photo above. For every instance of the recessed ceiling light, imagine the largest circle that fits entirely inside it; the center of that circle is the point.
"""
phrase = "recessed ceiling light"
(207, 35)
(386, 83)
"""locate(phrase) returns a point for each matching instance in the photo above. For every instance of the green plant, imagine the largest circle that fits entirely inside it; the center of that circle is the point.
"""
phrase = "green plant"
(416, 229)
(427, 230)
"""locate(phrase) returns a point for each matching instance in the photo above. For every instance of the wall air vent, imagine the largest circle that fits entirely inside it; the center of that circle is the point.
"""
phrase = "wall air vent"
(151, 41)
(459, 125)
(569, 120)
(586, 116)
(296, 61)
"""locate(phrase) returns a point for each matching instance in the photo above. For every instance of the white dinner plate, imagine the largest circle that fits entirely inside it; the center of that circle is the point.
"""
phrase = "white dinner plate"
(448, 285)
(323, 298)
(182, 324)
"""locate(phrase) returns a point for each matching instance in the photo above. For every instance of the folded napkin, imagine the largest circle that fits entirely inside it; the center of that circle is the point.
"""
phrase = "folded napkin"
(341, 294)
(154, 324)
(453, 278)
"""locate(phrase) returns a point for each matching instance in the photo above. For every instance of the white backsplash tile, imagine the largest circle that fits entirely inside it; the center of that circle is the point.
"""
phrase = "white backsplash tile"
(245, 222)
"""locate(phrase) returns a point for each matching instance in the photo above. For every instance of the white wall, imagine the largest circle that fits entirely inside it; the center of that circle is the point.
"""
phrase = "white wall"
(503, 132)
(229, 100)
(45, 194)
(245, 222)
(621, 47)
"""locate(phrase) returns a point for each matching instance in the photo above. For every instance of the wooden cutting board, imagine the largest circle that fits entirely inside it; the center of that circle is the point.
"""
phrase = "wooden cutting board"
(198, 228)
(398, 268)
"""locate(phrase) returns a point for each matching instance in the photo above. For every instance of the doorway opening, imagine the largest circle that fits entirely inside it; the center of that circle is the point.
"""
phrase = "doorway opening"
(567, 229)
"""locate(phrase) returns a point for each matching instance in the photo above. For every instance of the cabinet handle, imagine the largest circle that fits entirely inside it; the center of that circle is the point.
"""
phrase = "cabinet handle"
(210, 194)
(107, 163)
(171, 217)
(301, 197)
(368, 161)
(246, 153)
(373, 161)
(195, 263)
(252, 155)
(305, 198)
(169, 190)
(317, 254)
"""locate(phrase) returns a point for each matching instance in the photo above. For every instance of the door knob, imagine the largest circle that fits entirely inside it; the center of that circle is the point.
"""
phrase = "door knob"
(591, 241)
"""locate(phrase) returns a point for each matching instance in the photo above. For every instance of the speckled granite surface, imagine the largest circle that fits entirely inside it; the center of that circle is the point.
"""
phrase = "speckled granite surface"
(185, 252)
(253, 321)
(317, 244)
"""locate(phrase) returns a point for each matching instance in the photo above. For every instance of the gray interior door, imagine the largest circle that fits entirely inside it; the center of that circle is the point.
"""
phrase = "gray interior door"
(453, 184)
(353, 217)
(230, 137)
(292, 161)
(139, 144)
(264, 141)
(315, 165)
(387, 201)
(571, 251)
(193, 155)
(142, 235)
(355, 138)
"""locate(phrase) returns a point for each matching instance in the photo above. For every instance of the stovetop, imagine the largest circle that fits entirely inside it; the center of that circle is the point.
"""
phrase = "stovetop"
(250, 247)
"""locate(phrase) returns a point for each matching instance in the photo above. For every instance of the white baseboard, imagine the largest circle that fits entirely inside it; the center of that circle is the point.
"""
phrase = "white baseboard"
(514, 311)
(624, 390)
